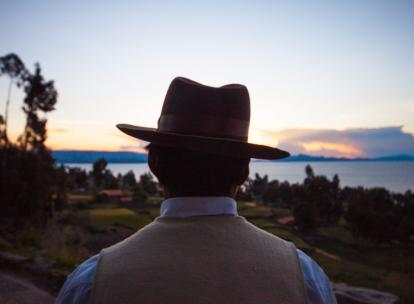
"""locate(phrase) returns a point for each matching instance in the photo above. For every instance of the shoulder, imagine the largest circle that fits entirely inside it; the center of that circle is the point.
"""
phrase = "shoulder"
(317, 285)
(78, 285)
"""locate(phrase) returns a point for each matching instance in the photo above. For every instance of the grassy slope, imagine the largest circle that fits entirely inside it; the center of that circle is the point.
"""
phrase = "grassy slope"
(388, 268)
(382, 267)
(118, 216)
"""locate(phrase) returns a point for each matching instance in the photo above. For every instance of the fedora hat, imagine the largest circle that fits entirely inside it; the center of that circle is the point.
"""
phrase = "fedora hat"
(205, 119)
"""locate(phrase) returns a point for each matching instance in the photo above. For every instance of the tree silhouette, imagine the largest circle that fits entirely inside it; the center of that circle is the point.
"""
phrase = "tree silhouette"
(12, 66)
(315, 202)
(77, 179)
(3, 134)
(147, 183)
(129, 180)
(374, 214)
(98, 171)
(29, 182)
(41, 96)
(259, 186)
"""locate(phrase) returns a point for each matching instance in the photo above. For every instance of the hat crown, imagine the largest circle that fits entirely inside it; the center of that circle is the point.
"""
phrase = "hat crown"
(196, 109)
(206, 119)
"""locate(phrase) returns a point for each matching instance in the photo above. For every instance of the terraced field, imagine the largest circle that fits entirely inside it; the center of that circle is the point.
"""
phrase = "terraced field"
(118, 216)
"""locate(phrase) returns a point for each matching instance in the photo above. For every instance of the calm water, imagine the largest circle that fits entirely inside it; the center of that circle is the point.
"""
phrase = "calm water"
(395, 176)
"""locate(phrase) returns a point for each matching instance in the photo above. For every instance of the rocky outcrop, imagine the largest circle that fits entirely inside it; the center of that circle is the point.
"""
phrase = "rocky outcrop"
(15, 290)
(41, 270)
(346, 294)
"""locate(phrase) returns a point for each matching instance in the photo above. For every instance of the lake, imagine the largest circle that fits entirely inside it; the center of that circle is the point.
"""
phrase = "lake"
(395, 176)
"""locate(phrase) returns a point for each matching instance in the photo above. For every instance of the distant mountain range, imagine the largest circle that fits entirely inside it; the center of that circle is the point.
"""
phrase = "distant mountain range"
(85, 157)
(304, 157)
(79, 157)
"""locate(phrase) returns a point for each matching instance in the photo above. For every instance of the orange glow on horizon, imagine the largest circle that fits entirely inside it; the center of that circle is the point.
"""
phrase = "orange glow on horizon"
(262, 138)
(93, 139)
(94, 147)
(337, 148)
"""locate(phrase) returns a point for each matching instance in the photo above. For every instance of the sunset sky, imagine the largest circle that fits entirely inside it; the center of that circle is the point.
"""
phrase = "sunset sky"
(332, 78)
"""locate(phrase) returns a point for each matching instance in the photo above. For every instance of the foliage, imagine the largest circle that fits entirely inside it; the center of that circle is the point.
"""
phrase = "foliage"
(306, 215)
(59, 188)
(98, 171)
(26, 184)
(281, 194)
(139, 194)
(128, 180)
(378, 214)
(321, 198)
(30, 185)
(40, 96)
(244, 193)
(147, 183)
(259, 186)
(374, 214)
(77, 179)
(103, 178)
(315, 202)
(12, 66)
(110, 181)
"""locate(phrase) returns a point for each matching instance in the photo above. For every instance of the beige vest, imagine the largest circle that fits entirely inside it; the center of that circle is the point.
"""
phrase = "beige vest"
(201, 259)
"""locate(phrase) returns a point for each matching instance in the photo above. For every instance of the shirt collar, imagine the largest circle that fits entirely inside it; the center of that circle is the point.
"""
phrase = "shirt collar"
(198, 206)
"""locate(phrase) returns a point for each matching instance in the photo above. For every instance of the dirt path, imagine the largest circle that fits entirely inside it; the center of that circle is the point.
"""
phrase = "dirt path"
(286, 220)
(14, 290)
(328, 255)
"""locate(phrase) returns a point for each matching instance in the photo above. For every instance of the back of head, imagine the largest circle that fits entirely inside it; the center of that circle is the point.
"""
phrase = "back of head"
(189, 173)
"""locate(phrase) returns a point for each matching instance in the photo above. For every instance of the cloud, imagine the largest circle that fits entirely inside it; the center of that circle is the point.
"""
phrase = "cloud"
(409, 106)
(129, 143)
(58, 130)
(78, 122)
(357, 142)
(137, 148)
(136, 145)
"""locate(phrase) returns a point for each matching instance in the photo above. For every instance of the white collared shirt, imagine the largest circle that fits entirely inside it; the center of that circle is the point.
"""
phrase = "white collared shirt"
(196, 206)
(78, 286)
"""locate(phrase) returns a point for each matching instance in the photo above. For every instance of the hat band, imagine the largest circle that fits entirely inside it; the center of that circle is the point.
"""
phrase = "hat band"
(204, 125)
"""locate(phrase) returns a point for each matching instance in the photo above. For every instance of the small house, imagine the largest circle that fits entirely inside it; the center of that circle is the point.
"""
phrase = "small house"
(111, 196)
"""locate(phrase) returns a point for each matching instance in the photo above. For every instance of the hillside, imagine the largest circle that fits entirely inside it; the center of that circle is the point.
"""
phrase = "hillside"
(90, 156)
(79, 157)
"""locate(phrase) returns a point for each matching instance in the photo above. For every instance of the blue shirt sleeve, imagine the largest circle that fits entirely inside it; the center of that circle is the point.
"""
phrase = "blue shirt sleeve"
(78, 285)
(317, 285)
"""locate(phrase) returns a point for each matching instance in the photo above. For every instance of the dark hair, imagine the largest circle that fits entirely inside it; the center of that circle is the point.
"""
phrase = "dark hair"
(190, 173)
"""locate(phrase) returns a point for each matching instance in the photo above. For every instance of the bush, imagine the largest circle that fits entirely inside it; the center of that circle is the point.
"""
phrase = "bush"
(140, 195)
(27, 183)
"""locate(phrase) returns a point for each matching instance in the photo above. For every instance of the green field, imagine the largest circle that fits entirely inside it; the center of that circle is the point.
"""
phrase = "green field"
(386, 267)
(118, 216)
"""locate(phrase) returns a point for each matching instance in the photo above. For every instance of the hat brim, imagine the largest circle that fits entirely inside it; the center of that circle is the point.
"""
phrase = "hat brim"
(220, 146)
